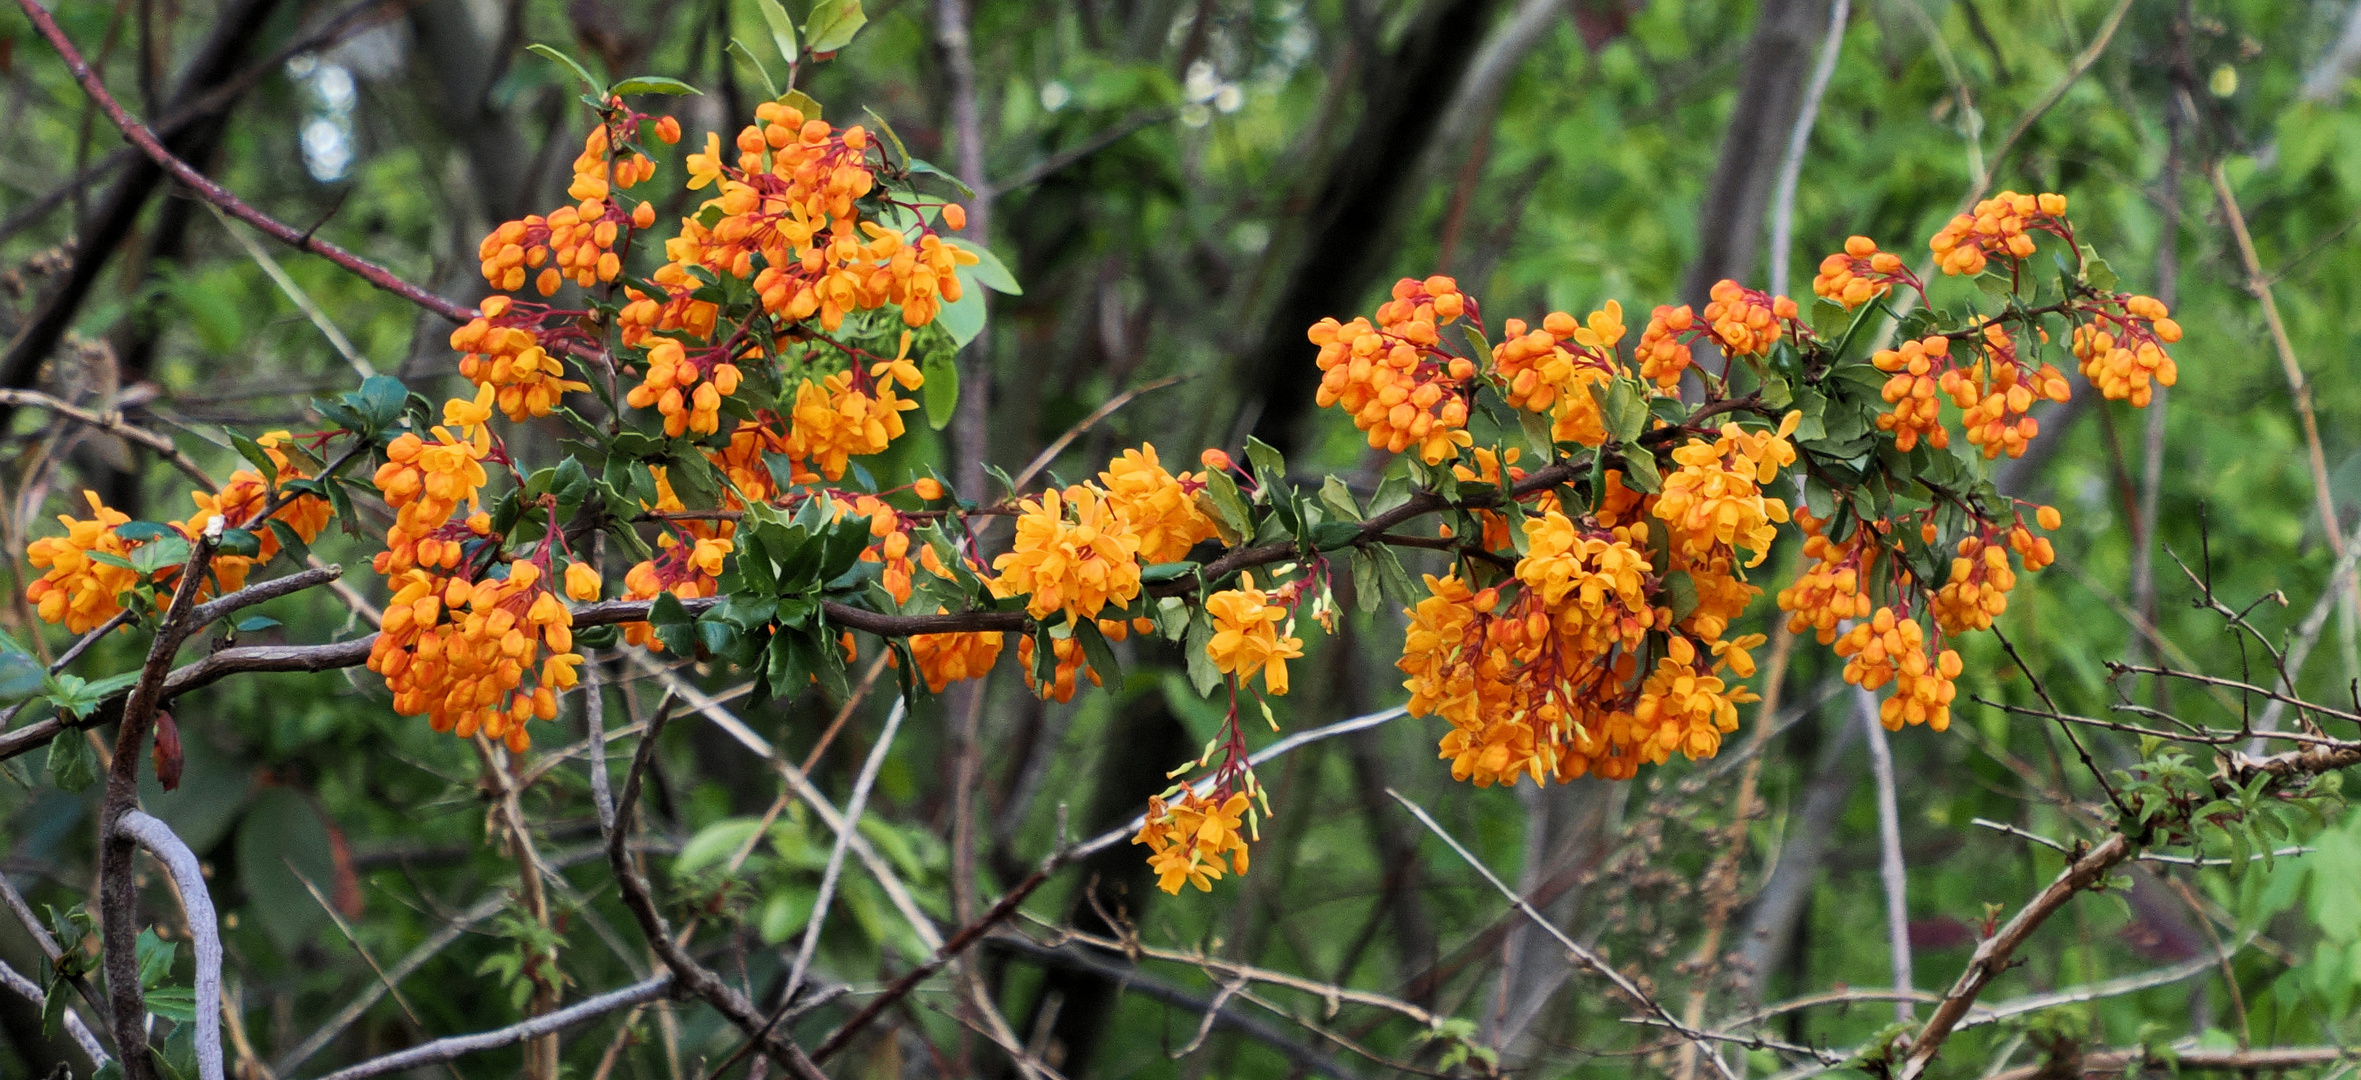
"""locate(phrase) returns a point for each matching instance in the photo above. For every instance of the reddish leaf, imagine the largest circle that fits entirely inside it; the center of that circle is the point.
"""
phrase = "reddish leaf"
(167, 751)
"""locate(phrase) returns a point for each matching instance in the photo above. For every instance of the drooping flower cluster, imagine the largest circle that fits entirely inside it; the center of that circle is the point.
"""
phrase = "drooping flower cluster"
(1073, 555)
(1663, 356)
(1995, 392)
(1247, 637)
(425, 481)
(1745, 322)
(1860, 273)
(2122, 349)
(1715, 501)
(77, 589)
(503, 350)
(1999, 227)
(578, 242)
(1396, 378)
(1977, 590)
(474, 655)
(86, 571)
(1883, 649)
(1194, 839)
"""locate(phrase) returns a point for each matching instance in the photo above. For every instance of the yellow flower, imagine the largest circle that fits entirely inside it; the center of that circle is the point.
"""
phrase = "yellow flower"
(1246, 636)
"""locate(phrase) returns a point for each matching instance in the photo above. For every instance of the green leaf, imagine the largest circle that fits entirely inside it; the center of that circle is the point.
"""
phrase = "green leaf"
(1537, 434)
(1622, 408)
(2097, 274)
(252, 623)
(382, 398)
(1391, 578)
(1681, 590)
(1392, 491)
(240, 542)
(255, 455)
(1339, 497)
(658, 84)
(1366, 591)
(1640, 474)
(580, 72)
(832, 24)
(1202, 674)
(801, 102)
(782, 29)
(1828, 318)
(988, 271)
(1045, 661)
(770, 87)
(162, 554)
(1270, 466)
(73, 765)
(940, 391)
(289, 540)
(1100, 654)
(1230, 505)
(155, 958)
(963, 318)
(1995, 284)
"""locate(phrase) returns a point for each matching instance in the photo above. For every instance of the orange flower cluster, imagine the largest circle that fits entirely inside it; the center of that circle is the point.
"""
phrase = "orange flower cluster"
(1835, 588)
(502, 350)
(1917, 411)
(1540, 373)
(689, 560)
(789, 198)
(1887, 649)
(1995, 392)
(1661, 353)
(82, 590)
(1860, 273)
(2122, 351)
(426, 481)
(835, 420)
(460, 651)
(1156, 506)
(1714, 501)
(1193, 839)
(1074, 554)
(2001, 226)
(944, 659)
(576, 242)
(1977, 591)
(1246, 636)
(76, 589)
(1745, 322)
(1395, 378)
(671, 385)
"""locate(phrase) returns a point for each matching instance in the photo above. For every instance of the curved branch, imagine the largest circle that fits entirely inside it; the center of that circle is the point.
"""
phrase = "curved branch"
(457, 1046)
(214, 193)
(204, 927)
(112, 423)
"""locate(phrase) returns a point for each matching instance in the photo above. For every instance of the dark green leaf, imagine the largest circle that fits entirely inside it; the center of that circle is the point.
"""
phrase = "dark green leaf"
(73, 765)
(1100, 654)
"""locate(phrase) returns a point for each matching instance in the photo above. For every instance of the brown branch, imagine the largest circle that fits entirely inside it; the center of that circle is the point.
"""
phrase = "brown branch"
(1992, 955)
(112, 423)
(967, 935)
(118, 890)
(214, 193)
(694, 977)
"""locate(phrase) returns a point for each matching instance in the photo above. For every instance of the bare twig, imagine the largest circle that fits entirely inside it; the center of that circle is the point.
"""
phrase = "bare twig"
(1050, 453)
(1574, 949)
(112, 423)
(214, 193)
(1993, 953)
(79, 1031)
(457, 1046)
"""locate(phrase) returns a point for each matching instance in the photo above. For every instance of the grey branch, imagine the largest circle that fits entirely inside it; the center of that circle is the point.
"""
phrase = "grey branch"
(204, 928)
(31, 991)
(457, 1046)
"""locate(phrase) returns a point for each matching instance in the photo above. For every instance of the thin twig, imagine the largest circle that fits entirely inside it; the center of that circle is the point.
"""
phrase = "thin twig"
(1575, 949)
(1791, 167)
(81, 1033)
(458, 1046)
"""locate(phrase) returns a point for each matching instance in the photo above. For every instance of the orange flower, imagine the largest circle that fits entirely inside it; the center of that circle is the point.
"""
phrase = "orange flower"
(1246, 637)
